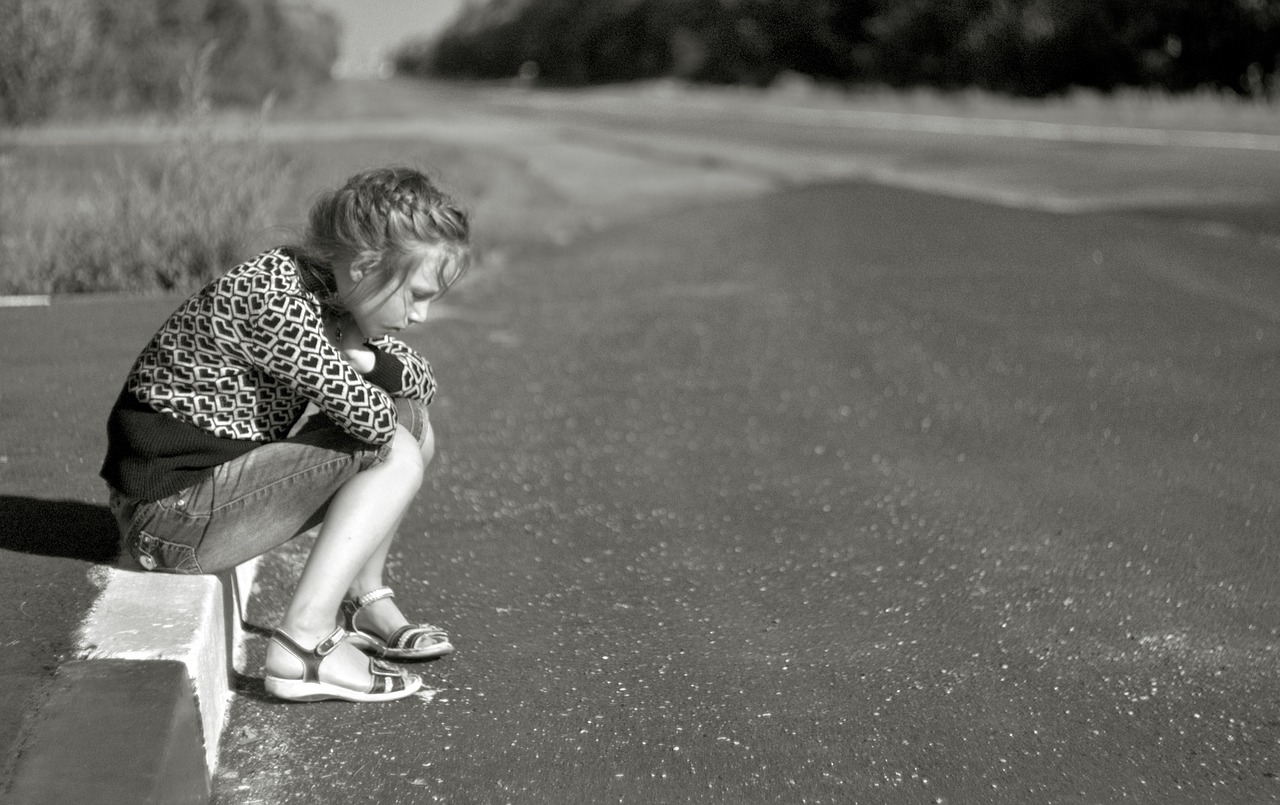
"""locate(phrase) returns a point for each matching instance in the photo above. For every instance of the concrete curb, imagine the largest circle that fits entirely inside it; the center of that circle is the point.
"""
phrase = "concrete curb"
(137, 717)
(114, 732)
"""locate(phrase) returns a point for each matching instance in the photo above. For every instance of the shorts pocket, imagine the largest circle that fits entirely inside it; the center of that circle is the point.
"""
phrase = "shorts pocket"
(162, 555)
(163, 537)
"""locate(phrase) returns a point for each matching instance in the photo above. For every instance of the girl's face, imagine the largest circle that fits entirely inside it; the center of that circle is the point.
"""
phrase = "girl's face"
(380, 311)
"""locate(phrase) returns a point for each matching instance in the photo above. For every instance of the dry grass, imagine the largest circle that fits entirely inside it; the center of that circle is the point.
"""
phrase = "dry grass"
(166, 216)
(163, 219)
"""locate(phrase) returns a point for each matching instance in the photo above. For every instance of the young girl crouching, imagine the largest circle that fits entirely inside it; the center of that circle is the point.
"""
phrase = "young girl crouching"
(208, 467)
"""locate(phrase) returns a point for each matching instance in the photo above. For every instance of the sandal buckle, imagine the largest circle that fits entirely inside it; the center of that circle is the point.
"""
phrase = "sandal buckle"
(326, 646)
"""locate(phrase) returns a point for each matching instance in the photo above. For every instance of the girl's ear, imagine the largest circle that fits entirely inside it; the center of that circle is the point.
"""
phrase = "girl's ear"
(361, 267)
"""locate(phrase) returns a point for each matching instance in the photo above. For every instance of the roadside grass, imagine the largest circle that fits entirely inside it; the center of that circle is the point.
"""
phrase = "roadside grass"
(148, 219)
(166, 216)
(161, 219)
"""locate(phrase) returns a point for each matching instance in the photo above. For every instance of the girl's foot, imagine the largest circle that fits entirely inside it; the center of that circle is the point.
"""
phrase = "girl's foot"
(333, 669)
(377, 625)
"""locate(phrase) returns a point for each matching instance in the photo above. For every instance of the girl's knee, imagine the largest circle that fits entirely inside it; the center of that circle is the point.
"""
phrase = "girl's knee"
(405, 458)
(414, 444)
(412, 416)
(427, 445)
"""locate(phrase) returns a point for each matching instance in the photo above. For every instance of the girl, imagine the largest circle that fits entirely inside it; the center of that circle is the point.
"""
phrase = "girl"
(208, 467)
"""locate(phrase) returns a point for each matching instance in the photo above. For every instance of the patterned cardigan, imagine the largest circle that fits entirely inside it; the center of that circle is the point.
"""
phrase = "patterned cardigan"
(234, 367)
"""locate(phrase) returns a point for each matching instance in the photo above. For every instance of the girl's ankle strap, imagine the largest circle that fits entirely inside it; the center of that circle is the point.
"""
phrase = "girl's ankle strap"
(374, 595)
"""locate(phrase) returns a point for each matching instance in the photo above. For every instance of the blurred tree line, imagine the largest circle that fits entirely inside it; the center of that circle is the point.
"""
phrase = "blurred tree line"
(70, 57)
(1019, 47)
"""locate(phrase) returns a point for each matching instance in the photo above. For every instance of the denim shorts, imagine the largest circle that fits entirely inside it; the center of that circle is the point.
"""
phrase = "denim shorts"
(252, 503)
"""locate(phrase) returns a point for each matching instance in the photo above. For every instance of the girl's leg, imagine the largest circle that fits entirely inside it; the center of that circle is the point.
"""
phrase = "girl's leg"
(383, 616)
(357, 528)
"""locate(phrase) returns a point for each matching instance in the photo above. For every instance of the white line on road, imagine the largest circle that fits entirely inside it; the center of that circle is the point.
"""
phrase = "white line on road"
(25, 300)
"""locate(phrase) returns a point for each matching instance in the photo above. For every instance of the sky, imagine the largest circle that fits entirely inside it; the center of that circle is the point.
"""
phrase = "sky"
(373, 27)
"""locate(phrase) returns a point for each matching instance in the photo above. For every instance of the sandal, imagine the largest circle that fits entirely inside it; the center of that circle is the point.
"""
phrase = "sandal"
(387, 682)
(407, 643)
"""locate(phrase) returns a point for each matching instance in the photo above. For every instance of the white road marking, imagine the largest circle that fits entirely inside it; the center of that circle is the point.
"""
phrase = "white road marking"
(25, 300)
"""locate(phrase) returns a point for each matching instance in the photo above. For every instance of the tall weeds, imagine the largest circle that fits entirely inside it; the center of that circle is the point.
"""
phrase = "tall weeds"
(167, 223)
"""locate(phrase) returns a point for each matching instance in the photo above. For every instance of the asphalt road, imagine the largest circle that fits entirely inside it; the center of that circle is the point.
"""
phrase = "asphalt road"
(847, 494)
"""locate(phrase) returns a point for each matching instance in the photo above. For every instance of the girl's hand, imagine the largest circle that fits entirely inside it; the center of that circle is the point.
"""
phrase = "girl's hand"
(346, 337)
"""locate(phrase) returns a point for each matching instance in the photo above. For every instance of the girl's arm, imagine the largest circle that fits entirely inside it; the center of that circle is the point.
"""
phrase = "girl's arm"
(415, 378)
(388, 363)
(287, 340)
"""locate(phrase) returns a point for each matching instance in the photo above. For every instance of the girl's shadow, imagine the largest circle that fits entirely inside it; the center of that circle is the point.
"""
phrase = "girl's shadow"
(66, 529)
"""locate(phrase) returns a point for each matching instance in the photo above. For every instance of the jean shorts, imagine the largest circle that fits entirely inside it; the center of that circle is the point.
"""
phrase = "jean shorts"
(253, 503)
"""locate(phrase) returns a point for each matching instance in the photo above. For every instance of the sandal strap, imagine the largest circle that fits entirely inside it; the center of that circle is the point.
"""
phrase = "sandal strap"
(351, 607)
(384, 675)
(325, 647)
(373, 595)
(310, 658)
(380, 667)
(406, 637)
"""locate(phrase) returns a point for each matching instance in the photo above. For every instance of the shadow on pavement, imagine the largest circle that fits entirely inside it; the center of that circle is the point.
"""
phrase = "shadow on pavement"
(65, 529)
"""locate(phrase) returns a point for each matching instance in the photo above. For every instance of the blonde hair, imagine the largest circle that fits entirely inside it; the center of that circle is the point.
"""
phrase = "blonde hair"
(384, 222)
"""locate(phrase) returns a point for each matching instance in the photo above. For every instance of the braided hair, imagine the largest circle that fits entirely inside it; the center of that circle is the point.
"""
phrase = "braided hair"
(384, 222)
